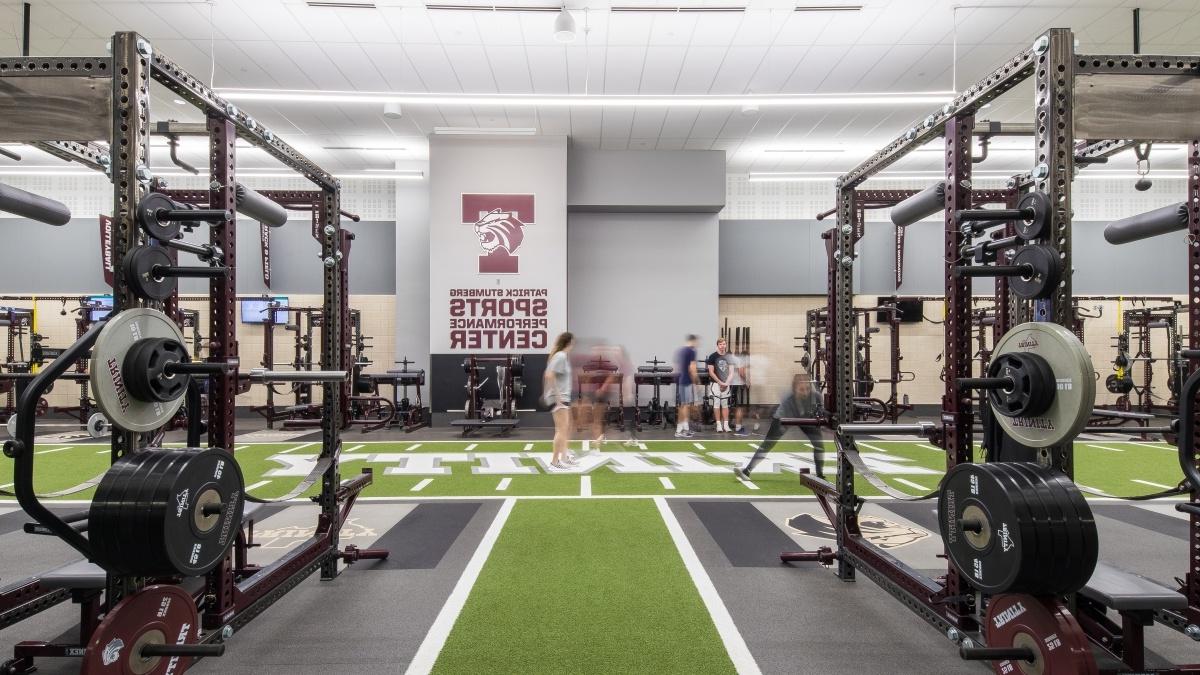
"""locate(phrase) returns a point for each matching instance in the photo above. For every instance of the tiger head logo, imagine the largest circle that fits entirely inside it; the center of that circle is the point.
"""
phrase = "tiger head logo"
(499, 230)
(879, 531)
(499, 221)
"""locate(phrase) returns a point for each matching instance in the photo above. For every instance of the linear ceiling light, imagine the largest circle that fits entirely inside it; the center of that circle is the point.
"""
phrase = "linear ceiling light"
(681, 9)
(363, 148)
(484, 131)
(817, 176)
(341, 5)
(829, 8)
(925, 98)
(172, 172)
(494, 8)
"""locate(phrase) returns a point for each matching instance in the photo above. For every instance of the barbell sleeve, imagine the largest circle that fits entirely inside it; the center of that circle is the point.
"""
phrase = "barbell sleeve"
(195, 368)
(984, 383)
(193, 215)
(204, 251)
(993, 271)
(34, 207)
(996, 654)
(264, 375)
(216, 649)
(919, 429)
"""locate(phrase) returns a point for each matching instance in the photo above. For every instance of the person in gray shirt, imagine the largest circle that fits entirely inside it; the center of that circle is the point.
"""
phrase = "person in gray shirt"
(802, 402)
(556, 393)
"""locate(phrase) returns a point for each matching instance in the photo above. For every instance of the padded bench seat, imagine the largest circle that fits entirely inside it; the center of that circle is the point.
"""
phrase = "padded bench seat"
(1125, 591)
(78, 574)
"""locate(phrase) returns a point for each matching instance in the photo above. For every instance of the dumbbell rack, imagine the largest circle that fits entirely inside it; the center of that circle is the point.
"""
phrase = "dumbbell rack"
(228, 601)
(949, 602)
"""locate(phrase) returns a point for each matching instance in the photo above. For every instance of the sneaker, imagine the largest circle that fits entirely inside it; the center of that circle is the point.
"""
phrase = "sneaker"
(741, 473)
(683, 433)
(741, 431)
(558, 465)
(602, 440)
(631, 443)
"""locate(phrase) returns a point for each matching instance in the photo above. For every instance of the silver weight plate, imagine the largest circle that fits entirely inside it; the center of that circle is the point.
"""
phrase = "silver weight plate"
(97, 425)
(1074, 378)
(108, 356)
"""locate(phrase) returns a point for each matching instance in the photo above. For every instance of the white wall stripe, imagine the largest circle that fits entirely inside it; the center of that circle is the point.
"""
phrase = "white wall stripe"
(421, 486)
(503, 484)
(435, 639)
(585, 486)
(735, 645)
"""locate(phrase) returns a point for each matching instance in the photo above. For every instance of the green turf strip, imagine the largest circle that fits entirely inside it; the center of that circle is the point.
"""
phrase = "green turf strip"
(591, 586)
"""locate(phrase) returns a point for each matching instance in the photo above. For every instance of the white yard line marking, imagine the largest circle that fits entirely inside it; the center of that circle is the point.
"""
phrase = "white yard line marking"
(642, 446)
(46, 452)
(915, 486)
(298, 447)
(503, 484)
(421, 486)
(868, 446)
(412, 447)
(103, 452)
(528, 447)
(666, 483)
(240, 447)
(1103, 447)
(1153, 485)
(1156, 446)
(698, 446)
(587, 447)
(435, 639)
(1092, 489)
(926, 446)
(585, 486)
(352, 449)
(747, 483)
(735, 645)
(470, 447)
(753, 445)
(6, 485)
(257, 485)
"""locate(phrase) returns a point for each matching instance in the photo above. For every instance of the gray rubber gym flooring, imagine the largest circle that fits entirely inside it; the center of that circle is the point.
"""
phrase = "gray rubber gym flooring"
(795, 619)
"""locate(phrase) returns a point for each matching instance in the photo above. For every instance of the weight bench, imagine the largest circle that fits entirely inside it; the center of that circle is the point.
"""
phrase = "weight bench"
(1135, 598)
(505, 425)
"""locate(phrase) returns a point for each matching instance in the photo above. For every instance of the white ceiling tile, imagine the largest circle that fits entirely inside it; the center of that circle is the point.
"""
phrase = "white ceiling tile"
(393, 64)
(623, 69)
(321, 23)
(470, 63)
(455, 28)
(433, 67)
(510, 67)
(548, 69)
(699, 69)
(739, 64)
(617, 123)
(647, 122)
(662, 69)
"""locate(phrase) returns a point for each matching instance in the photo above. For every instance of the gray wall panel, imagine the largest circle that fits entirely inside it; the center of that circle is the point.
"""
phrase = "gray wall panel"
(43, 259)
(643, 280)
(412, 272)
(772, 257)
(645, 180)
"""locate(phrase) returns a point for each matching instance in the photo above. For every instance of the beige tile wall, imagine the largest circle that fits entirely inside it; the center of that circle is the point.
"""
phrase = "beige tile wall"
(775, 321)
(378, 312)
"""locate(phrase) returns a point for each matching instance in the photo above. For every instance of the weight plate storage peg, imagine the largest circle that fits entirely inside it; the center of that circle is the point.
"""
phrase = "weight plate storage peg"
(163, 513)
(138, 267)
(1074, 379)
(107, 377)
(1045, 628)
(155, 615)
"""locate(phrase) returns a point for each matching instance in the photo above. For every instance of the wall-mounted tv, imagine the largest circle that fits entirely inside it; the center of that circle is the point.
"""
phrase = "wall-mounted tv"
(254, 310)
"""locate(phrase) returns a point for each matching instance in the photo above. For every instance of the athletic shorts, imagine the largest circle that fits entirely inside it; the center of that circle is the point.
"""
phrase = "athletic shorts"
(685, 394)
(720, 399)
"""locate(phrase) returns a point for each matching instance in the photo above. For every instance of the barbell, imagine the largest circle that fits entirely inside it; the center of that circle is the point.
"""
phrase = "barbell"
(97, 426)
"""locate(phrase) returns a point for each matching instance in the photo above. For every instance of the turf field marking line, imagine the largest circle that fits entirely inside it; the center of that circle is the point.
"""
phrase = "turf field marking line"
(585, 486)
(528, 447)
(298, 447)
(698, 446)
(503, 484)
(353, 448)
(747, 483)
(913, 485)
(1156, 446)
(6, 485)
(1153, 485)
(257, 485)
(470, 447)
(735, 645)
(1099, 492)
(868, 446)
(240, 447)
(1103, 447)
(46, 452)
(421, 486)
(666, 483)
(412, 447)
(435, 639)
(642, 446)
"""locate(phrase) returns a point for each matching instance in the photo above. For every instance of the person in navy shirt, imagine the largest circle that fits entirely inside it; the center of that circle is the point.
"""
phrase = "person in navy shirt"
(686, 379)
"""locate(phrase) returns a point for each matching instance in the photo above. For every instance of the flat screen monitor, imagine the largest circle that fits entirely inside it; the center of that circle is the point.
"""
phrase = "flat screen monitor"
(100, 307)
(254, 310)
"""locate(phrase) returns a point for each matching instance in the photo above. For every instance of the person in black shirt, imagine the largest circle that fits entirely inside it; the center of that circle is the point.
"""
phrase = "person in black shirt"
(721, 369)
(803, 402)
